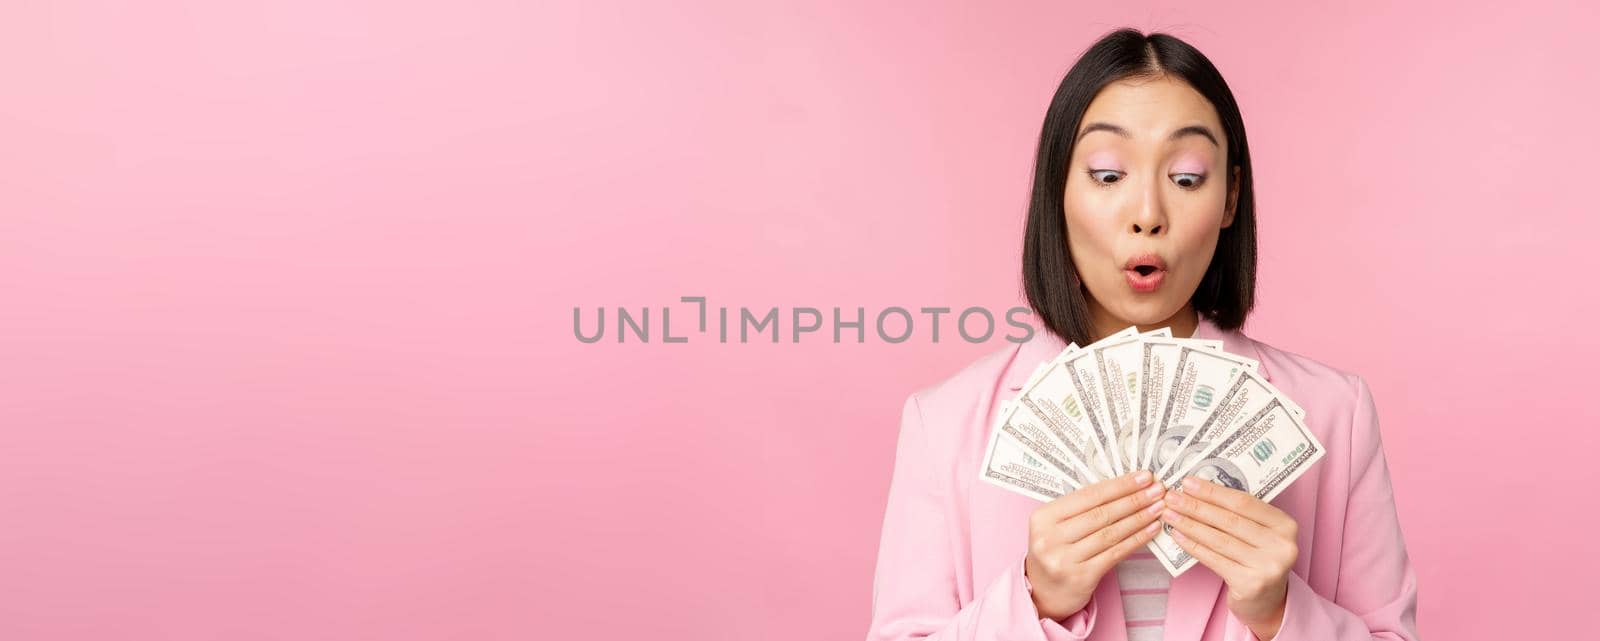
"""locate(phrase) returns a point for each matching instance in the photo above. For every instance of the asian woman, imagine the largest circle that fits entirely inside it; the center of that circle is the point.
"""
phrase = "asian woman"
(1141, 213)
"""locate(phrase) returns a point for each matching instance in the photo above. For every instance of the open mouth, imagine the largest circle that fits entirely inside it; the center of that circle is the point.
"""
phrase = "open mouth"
(1145, 273)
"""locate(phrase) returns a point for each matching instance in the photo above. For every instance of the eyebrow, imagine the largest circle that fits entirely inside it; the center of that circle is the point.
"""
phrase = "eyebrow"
(1191, 130)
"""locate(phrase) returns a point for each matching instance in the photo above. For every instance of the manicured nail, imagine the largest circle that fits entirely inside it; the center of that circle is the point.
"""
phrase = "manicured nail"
(1170, 516)
(1153, 491)
(1190, 484)
(1156, 508)
(1142, 477)
(1180, 537)
(1152, 527)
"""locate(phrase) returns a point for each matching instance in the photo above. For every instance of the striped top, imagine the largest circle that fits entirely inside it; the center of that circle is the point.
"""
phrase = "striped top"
(1144, 586)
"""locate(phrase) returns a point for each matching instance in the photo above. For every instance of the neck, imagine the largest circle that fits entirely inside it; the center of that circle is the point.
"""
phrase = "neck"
(1183, 322)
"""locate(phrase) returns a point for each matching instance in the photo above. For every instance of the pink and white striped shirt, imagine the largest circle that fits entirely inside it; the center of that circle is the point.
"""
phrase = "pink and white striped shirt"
(1143, 583)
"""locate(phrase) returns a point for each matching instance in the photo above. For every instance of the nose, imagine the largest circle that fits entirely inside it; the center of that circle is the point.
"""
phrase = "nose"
(1150, 213)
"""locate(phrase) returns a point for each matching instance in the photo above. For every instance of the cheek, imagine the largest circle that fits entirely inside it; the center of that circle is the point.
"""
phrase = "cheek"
(1090, 238)
(1201, 231)
(1194, 235)
(1088, 235)
(1196, 243)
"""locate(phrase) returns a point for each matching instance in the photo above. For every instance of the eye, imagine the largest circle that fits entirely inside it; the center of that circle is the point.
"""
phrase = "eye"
(1113, 178)
(1189, 181)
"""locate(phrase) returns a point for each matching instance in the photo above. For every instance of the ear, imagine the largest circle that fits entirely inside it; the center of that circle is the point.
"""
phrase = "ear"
(1233, 199)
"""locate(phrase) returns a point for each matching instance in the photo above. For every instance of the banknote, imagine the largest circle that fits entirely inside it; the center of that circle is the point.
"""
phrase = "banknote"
(1057, 404)
(1009, 465)
(1199, 378)
(1065, 411)
(1267, 453)
(1118, 366)
(1157, 356)
(1246, 396)
(1032, 433)
(1073, 445)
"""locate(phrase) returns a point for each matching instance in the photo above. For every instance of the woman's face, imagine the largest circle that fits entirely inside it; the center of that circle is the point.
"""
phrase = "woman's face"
(1146, 180)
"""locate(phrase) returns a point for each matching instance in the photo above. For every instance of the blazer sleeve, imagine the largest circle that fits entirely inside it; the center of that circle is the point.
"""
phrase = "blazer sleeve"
(915, 592)
(1376, 596)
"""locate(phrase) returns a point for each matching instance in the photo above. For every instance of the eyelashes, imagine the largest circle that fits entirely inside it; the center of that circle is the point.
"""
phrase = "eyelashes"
(1185, 180)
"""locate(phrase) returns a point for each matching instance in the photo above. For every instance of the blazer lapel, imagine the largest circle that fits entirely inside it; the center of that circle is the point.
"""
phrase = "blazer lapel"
(1043, 346)
(1190, 601)
(1111, 623)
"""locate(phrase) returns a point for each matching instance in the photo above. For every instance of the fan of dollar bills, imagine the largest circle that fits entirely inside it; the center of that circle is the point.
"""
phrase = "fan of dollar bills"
(1175, 406)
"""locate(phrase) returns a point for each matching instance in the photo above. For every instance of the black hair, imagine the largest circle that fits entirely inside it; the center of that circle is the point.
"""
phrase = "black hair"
(1054, 289)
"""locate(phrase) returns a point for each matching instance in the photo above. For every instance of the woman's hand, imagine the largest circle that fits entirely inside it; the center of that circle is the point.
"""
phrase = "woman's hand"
(1246, 541)
(1075, 539)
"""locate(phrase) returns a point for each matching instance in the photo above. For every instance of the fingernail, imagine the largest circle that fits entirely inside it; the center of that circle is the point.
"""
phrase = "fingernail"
(1156, 508)
(1152, 527)
(1170, 516)
(1142, 477)
(1190, 484)
(1154, 491)
(1174, 498)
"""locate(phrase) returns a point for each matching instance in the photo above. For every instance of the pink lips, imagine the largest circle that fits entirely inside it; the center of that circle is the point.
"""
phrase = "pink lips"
(1145, 284)
(1155, 268)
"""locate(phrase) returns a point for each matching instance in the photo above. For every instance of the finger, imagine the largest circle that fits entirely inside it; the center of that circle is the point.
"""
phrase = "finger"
(1105, 515)
(1218, 541)
(1073, 503)
(1109, 536)
(1221, 518)
(1243, 503)
(1116, 553)
(1224, 567)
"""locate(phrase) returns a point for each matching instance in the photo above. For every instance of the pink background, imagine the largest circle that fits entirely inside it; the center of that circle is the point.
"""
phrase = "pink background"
(286, 347)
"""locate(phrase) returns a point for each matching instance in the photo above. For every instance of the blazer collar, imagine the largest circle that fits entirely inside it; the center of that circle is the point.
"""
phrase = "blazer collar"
(1046, 345)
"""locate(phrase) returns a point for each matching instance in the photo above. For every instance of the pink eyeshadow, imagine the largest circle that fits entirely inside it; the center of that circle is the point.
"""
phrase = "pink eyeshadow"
(1189, 166)
(1103, 160)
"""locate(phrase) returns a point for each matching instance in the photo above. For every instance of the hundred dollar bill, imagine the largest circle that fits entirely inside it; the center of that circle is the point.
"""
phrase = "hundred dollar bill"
(1199, 378)
(1039, 370)
(1085, 374)
(1043, 366)
(1064, 446)
(1058, 406)
(1030, 431)
(1262, 457)
(1009, 465)
(1060, 398)
(1157, 356)
(1118, 366)
(1246, 396)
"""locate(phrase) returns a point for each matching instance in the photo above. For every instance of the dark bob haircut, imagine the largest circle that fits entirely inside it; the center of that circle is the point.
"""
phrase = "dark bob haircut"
(1055, 290)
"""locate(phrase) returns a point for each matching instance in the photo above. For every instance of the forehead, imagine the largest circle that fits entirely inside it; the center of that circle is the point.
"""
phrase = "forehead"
(1150, 108)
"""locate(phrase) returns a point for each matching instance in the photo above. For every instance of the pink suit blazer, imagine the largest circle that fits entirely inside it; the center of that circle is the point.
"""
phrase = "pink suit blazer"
(951, 552)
